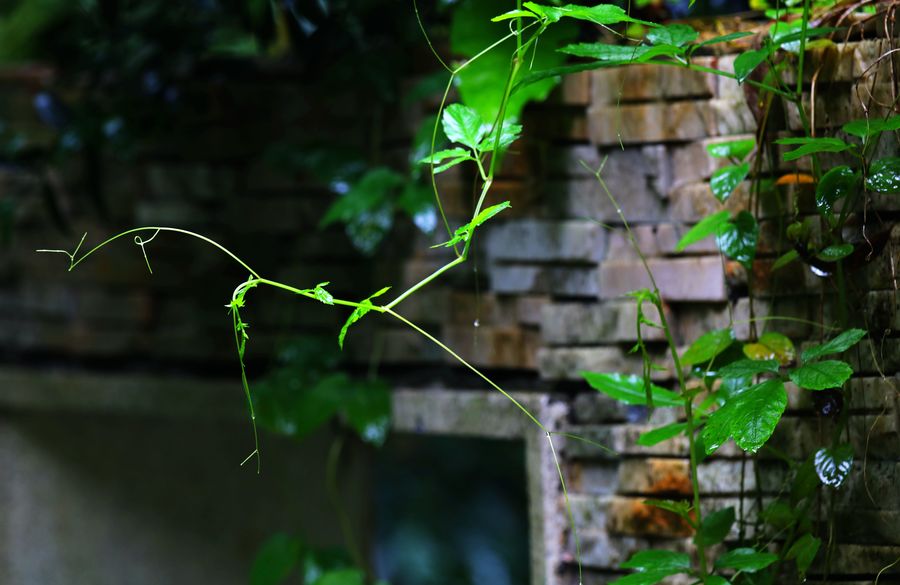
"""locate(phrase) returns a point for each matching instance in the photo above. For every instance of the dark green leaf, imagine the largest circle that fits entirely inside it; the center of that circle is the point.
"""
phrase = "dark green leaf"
(812, 146)
(747, 61)
(864, 128)
(463, 124)
(706, 227)
(341, 577)
(771, 346)
(835, 253)
(834, 465)
(367, 195)
(276, 560)
(804, 550)
(737, 239)
(676, 35)
(358, 313)
(630, 389)
(659, 560)
(749, 417)
(708, 346)
(747, 560)
(725, 38)
(733, 148)
(838, 344)
(715, 527)
(725, 180)
(805, 481)
(716, 580)
(822, 375)
(661, 434)
(884, 175)
(643, 578)
(835, 185)
(746, 368)
(367, 406)
(785, 259)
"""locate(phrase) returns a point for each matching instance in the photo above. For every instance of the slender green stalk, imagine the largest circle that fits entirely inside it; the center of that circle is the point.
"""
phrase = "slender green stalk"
(334, 494)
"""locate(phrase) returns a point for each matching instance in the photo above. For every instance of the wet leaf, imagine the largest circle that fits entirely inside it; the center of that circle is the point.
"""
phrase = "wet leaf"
(834, 465)
(747, 560)
(884, 175)
(706, 227)
(642, 578)
(737, 239)
(676, 35)
(733, 148)
(835, 185)
(463, 233)
(838, 344)
(725, 180)
(864, 128)
(659, 560)
(812, 146)
(747, 61)
(661, 434)
(748, 417)
(746, 368)
(771, 346)
(604, 14)
(715, 527)
(785, 259)
(835, 253)
(822, 375)
(616, 54)
(707, 346)
(630, 389)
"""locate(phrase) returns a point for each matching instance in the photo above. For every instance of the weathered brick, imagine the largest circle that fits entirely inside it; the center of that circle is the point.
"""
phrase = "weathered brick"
(566, 363)
(494, 347)
(655, 240)
(611, 322)
(555, 280)
(649, 123)
(681, 279)
(546, 241)
(616, 85)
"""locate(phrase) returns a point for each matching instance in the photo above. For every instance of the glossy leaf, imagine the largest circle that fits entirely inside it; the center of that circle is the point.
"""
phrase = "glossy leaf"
(659, 560)
(884, 175)
(676, 35)
(749, 417)
(615, 54)
(833, 465)
(642, 578)
(715, 527)
(733, 148)
(358, 313)
(865, 128)
(630, 389)
(838, 344)
(708, 346)
(464, 125)
(277, 558)
(835, 185)
(737, 239)
(822, 375)
(809, 146)
(442, 155)
(463, 233)
(604, 14)
(771, 346)
(785, 259)
(804, 551)
(725, 180)
(725, 38)
(747, 560)
(747, 61)
(835, 253)
(746, 368)
(661, 434)
(706, 227)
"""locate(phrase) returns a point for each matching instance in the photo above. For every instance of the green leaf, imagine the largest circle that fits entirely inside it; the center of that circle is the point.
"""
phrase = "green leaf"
(464, 125)
(715, 527)
(358, 313)
(276, 560)
(747, 61)
(604, 14)
(834, 465)
(441, 155)
(835, 253)
(661, 434)
(708, 346)
(367, 407)
(715, 580)
(884, 175)
(659, 560)
(865, 128)
(463, 233)
(514, 14)
(822, 375)
(725, 180)
(835, 185)
(787, 35)
(785, 259)
(747, 560)
(341, 577)
(733, 148)
(812, 146)
(706, 227)
(630, 389)
(838, 344)
(724, 38)
(642, 578)
(804, 550)
(771, 346)
(676, 35)
(746, 368)
(509, 134)
(737, 239)
(749, 417)
(614, 54)
(680, 508)
(322, 295)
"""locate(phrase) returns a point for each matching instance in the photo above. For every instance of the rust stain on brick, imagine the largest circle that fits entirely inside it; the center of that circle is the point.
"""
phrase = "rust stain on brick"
(669, 477)
(642, 519)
